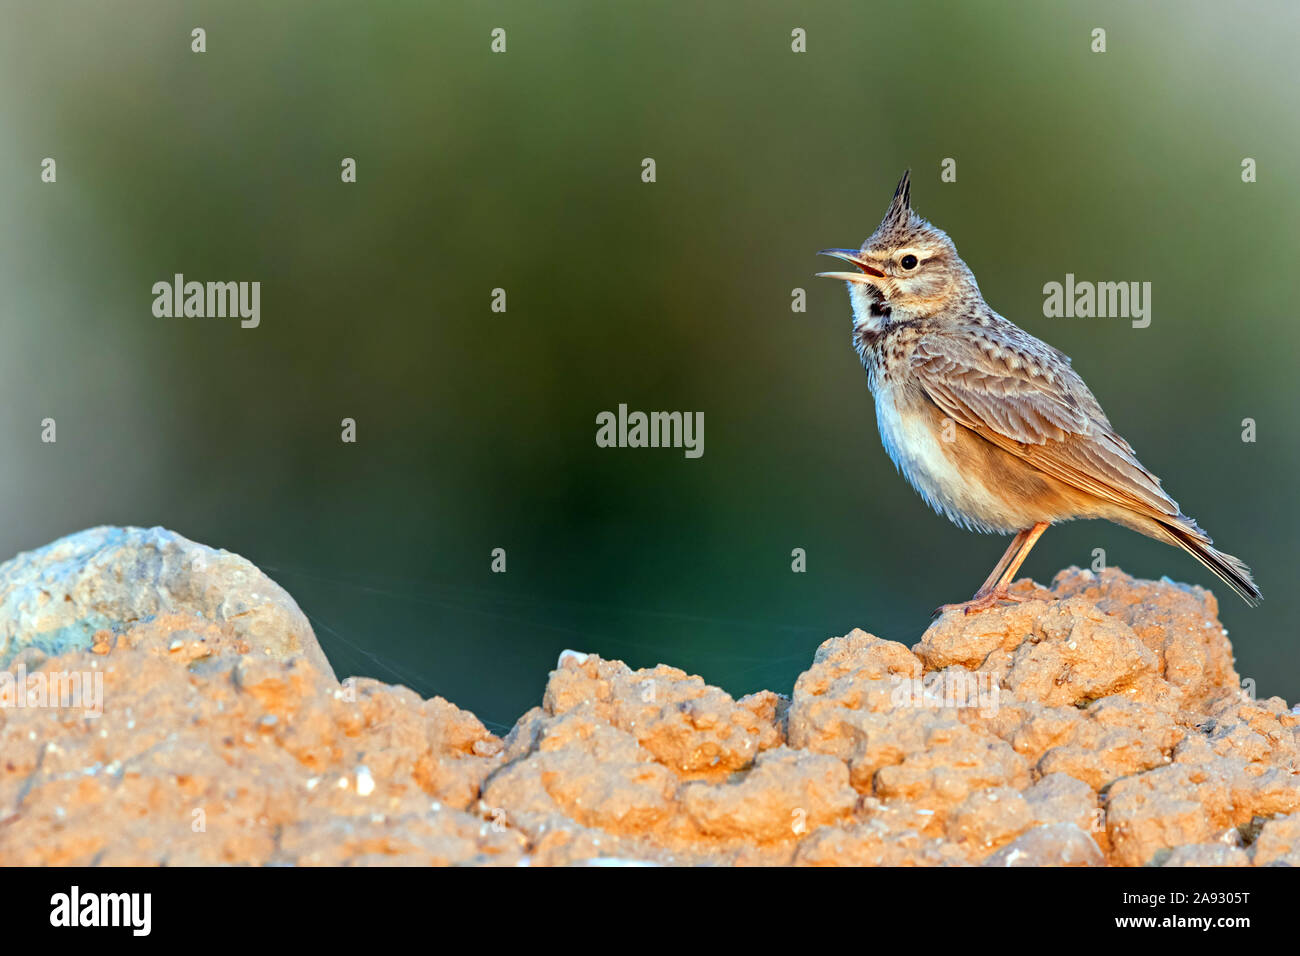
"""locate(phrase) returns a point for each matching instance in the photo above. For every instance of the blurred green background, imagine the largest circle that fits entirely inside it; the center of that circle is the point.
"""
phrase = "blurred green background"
(522, 171)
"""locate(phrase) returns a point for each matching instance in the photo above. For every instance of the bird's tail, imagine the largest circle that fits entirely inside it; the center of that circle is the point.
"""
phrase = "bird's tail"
(1232, 571)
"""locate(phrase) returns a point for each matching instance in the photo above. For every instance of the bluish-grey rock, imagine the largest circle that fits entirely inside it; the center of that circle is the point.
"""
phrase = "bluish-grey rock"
(56, 597)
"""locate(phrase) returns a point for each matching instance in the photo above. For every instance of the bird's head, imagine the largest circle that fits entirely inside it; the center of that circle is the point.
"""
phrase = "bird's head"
(907, 269)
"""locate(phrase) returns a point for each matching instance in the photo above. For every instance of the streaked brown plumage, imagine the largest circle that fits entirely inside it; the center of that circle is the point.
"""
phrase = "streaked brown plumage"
(991, 425)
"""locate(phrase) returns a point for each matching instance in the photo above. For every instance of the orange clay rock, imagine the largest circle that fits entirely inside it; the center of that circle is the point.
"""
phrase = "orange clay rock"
(696, 730)
(1100, 722)
(205, 755)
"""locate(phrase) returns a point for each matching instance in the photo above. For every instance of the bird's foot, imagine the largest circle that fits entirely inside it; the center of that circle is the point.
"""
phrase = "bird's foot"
(982, 601)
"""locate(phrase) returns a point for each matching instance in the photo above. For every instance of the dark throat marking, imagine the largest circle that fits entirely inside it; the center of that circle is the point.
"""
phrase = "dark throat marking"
(865, 338)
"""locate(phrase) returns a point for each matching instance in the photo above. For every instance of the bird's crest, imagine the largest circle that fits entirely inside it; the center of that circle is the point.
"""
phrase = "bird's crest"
(900, 207)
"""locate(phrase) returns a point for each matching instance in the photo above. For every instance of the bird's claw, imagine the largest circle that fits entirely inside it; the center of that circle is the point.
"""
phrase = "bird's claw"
(982, 602)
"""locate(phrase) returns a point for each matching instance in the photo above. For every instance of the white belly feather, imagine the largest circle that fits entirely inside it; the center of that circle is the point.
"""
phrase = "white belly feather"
(918, 452)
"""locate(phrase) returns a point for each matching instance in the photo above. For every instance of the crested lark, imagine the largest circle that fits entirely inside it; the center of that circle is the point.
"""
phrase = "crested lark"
(990, 425)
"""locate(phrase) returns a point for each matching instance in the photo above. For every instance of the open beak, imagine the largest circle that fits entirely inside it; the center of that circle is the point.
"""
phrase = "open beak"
(850, 255)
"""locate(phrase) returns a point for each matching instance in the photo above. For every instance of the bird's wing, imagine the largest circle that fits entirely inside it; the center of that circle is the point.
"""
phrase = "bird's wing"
(1021, 394)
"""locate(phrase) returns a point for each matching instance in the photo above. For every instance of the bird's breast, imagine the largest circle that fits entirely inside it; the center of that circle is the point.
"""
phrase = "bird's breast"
(954, 470)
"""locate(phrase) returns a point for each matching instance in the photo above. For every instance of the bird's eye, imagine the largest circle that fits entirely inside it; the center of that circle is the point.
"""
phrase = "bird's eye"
(908, 261)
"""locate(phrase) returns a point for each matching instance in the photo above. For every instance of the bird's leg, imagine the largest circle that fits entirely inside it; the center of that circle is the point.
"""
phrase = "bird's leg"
(1001, 566)
(994, 589)
(1031, 538)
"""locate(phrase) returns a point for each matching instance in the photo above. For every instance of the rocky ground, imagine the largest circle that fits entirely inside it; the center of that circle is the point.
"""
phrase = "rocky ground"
(1100, 722)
